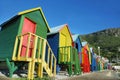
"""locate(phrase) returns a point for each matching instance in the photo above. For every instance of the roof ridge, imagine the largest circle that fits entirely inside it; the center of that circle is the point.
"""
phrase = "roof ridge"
(29, 10)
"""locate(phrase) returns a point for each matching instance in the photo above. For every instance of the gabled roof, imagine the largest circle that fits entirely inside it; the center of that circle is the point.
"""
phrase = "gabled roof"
(28, 11)
(12, 18)
(84, 43)
(56, 29)
(91, 49)
(75, 37)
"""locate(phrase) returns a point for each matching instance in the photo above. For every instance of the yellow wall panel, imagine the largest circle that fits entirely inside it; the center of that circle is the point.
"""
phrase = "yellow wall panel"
(68, 40)
(89, 53)
(82, 56)
(63, 39)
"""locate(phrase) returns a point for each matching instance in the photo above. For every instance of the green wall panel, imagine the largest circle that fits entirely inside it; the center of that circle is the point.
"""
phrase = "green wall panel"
(7, 38)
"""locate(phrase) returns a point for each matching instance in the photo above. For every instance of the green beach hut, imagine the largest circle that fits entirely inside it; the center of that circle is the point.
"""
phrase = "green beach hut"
(23, 38)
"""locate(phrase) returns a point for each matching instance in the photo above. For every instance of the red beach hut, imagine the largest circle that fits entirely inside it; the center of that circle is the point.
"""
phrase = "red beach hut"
(85, 58)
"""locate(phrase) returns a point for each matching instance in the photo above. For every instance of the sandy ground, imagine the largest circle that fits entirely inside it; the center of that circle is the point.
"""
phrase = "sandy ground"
(102, 75)
(3, 77)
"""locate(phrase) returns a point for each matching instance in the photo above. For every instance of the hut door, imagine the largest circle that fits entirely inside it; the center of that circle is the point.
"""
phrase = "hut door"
(28, 26)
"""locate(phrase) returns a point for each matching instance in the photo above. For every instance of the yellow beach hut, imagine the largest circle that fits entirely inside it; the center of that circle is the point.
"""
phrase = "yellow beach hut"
(60, 40)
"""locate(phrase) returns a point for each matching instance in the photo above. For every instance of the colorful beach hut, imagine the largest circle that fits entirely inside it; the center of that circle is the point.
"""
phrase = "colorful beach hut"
(31, 20)
(23, 39)
(106, 63)
(99, 63)
(93, 60)
(60, 40)
(78, 45)
(85, 58)
(60, 36)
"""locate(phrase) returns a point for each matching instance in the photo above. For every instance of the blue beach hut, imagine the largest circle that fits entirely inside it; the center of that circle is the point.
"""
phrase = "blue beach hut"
(78, 45)
(93, 60)
(60, 36)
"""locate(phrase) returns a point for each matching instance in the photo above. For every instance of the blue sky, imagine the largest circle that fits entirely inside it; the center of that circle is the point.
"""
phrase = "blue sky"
(82, 16)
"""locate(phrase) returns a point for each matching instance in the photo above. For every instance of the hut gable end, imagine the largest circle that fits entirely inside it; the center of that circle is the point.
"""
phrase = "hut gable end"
(65, 35)
(36, 15)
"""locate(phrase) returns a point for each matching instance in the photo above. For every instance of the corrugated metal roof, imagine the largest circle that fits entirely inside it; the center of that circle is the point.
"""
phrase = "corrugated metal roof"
(75, 37)
(56, 29)
(84, 43)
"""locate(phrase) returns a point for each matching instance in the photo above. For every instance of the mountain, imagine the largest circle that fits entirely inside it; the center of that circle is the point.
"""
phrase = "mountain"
(108, 40)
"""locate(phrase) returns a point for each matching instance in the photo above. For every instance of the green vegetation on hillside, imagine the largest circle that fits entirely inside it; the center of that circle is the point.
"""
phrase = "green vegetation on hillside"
(108, 40)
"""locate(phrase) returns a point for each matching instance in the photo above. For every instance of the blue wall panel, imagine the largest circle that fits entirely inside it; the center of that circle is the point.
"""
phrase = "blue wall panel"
(94, 63)
(79, 47)
(53, 40)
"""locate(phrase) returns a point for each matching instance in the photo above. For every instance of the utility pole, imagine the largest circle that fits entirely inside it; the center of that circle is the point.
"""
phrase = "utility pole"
(99, 58)
(99, 51)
